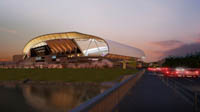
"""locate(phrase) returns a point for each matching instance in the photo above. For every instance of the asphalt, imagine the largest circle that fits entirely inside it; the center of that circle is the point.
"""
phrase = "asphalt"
(151, 95)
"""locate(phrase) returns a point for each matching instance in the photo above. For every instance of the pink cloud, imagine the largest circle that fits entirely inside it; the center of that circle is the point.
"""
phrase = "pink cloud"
(8, 30)
(168, 44)
(197, 39)
(158, 49)
(183, 50)
(4, 59)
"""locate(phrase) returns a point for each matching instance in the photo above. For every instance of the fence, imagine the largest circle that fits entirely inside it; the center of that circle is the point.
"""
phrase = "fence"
(108, 100)
(190, 95)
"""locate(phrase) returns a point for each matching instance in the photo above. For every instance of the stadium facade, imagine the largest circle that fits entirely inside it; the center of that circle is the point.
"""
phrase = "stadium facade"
(75, 47)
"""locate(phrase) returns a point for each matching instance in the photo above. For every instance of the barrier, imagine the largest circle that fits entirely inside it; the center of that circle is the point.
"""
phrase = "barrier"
(108, 100)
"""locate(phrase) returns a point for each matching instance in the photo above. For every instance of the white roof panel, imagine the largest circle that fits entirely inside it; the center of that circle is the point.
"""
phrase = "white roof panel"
(124, 50)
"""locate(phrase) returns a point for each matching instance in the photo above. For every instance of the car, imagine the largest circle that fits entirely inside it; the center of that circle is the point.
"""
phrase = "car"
(170, 73)
(191, 73)
(174, 72)
(151, 69)
(180, 72)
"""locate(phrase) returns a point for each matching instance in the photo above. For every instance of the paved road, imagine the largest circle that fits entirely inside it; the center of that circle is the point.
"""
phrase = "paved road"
(152, 95)
(187, 88)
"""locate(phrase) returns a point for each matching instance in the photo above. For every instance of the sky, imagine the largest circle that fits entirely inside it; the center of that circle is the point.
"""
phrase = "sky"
(158, 27)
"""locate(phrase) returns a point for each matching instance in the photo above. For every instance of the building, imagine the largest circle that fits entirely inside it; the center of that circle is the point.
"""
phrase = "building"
(17, 58)
(69, 47)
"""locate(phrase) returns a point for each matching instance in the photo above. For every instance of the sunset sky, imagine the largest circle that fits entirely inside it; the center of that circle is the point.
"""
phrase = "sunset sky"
(158, 27)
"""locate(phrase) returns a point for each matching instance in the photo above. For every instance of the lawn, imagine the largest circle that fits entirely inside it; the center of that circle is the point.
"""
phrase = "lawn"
(65, 75)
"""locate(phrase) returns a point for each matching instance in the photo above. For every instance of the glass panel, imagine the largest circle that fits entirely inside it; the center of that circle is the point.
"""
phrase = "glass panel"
(92, 47)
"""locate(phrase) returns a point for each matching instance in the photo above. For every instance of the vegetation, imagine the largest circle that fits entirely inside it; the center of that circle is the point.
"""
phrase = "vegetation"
(191, 61)
(65, 75)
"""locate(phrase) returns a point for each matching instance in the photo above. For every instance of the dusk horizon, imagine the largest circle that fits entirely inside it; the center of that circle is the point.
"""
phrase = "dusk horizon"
(156, 27)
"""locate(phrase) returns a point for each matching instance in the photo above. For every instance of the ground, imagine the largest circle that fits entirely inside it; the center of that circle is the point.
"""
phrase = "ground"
(66, 75)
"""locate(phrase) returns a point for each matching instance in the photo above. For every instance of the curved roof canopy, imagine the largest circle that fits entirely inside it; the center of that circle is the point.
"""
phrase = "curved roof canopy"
(121, 49)
(106, 46)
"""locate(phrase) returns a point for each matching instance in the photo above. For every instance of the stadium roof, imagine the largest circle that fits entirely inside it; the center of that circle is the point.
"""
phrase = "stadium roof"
(109, 46)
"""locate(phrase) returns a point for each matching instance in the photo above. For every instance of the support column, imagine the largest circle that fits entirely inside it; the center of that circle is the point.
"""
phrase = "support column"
(124, 64)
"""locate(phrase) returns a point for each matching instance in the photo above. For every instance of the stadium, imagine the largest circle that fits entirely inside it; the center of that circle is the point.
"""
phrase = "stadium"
(74, 47)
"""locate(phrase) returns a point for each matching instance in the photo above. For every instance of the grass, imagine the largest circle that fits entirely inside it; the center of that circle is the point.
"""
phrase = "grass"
(64, 75)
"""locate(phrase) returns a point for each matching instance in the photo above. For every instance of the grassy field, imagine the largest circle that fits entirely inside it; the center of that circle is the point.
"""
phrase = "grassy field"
(65, 75)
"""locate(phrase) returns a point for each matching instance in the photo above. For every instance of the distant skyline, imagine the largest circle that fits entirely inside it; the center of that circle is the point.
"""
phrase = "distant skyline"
(158, 27)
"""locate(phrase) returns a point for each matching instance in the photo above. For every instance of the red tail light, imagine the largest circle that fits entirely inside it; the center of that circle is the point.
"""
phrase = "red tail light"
(186, 72)
(167, 72)
(149, 69)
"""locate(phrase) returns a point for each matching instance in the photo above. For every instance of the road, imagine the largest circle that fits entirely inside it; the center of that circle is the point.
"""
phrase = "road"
(154, 93)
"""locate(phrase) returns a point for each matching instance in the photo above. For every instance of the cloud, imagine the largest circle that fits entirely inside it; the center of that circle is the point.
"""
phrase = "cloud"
(175, 48)
(156, 50)
(197, 39)
(4, 59)
(183, 50)
(8, 30)
(168, 44)
(160, 49)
